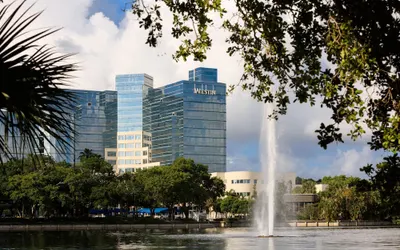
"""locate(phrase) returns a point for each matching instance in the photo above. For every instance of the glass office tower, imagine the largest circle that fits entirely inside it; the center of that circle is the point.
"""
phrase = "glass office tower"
(95, 121)
(138, 126)
(134, 143)
(188, 119)
(18, 146)
(94, 117)
(132, 89)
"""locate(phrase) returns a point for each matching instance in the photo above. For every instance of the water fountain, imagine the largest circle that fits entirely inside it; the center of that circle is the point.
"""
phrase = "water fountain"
(265, 207)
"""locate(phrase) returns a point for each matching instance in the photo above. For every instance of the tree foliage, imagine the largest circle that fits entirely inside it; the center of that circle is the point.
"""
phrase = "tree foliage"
(33, 105)
(55, 189)
(307, 187)
(235, 205)
(385, 178)
(342, 55)
(348, 198)
(184, 182)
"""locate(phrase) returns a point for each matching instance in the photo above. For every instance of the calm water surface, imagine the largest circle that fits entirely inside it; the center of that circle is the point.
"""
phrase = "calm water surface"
(229, 239)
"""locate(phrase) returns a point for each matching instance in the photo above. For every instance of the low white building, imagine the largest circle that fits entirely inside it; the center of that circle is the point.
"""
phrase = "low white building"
(244, 182)
(320, 187)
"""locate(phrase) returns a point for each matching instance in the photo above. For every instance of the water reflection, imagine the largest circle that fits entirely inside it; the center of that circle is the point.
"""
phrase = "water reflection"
(210, 239)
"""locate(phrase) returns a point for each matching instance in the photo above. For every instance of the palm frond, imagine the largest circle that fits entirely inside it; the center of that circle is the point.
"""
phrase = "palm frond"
(33, 103)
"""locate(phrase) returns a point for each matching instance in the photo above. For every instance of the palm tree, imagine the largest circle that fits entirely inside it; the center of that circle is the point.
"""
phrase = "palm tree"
(86, 154)
(33, 105)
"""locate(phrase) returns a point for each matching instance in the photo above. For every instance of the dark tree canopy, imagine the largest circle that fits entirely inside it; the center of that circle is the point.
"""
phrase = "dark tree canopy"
(385, 179)
(341, 54)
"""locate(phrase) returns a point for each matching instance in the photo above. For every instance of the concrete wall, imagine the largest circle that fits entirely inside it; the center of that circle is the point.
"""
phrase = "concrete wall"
(338, 223)
(255, 178)
(22, 228)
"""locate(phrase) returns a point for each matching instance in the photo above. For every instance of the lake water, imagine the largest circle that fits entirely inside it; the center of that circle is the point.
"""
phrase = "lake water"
(229, 239)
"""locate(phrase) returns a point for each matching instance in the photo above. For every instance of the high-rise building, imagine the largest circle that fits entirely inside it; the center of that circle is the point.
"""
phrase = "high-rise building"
(133, 142)
(17, 145)
(95, 119)
(138, 126)
(188, 119)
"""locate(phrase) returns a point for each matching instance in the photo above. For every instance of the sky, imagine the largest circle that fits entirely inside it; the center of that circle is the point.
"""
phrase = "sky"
(107, 41)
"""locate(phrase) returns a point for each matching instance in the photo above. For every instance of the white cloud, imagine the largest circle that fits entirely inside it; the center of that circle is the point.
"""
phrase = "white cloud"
(349, 162)
(105, 49)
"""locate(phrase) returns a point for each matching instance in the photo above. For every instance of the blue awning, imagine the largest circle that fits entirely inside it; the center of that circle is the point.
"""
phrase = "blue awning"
(158, 210)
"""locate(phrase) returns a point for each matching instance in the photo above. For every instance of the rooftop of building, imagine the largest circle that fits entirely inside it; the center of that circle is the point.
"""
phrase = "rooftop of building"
(135, 75)
(89, 90)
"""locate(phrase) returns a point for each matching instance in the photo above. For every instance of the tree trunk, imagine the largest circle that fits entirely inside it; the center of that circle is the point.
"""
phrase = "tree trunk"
(23, 211)
(171, 212)
(185, 210)
(134, 213)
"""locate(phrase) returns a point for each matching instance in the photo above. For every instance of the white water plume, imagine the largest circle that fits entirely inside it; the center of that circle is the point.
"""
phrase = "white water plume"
(265, 206)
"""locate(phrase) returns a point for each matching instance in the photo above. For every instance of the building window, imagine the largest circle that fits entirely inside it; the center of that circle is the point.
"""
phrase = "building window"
(111, 153)
(138, 145)
(243, 194)
(138, 137)
(130, 145)
(144, 161)
(137, 153)
(245, 181)
(121, 145)
(144, 152)
(121, 153)
(138, 162)
(112, 162)
(129, 153)
(122, 162)
(121, 137)
(129, 137)
(255, 181)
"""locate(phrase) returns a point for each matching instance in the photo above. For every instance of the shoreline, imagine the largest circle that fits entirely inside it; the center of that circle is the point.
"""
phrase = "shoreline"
(320, 224)
(172, 226)
(104, 227)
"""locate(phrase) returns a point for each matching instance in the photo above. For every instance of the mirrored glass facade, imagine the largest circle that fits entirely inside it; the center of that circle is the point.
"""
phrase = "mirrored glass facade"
(132, 89)
(138, 125)
(134, 141)
(94, 116)
(188, 119)
(96, 121)
(18, 145)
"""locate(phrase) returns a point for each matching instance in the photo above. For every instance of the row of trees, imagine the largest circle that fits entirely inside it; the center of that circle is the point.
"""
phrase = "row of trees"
(350, 198)
(39, 186)
(346, 198)
(233, 205)
(57, 189)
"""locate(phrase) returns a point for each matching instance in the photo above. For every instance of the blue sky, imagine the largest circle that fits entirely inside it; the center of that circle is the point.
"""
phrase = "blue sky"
(113, 9)
(105, 47)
